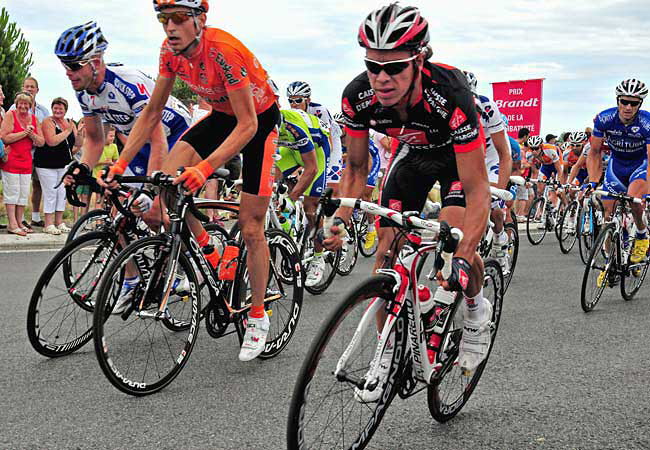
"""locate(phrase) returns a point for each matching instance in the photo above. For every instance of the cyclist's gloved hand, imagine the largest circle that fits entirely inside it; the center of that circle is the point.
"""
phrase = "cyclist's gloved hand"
(459, 277)
(143, 201)
(193, 178)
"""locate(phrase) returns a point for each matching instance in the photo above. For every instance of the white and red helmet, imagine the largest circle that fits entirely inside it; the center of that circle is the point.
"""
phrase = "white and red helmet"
(394, 27)
(201, 5)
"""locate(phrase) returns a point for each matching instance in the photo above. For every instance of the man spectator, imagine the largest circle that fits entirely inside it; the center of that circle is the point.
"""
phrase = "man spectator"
(551, 139)
(30, 85)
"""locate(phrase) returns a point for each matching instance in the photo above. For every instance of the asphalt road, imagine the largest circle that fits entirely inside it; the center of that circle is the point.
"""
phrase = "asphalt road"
(557, 378)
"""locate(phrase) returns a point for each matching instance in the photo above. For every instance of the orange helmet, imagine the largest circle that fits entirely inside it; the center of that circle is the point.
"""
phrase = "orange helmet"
(194, 4)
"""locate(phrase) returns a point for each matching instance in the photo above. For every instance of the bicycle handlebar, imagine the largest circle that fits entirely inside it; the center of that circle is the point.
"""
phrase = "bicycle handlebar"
(501, 194)
(617, 196)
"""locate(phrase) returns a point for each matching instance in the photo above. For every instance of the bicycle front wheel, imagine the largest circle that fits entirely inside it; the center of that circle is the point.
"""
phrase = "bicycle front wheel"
(632, 279)
(94, 220)
(600, 268)
(451, 390)
(326, 411)
(512, 252)
(535, 222)
(567, 228)
(140, 348)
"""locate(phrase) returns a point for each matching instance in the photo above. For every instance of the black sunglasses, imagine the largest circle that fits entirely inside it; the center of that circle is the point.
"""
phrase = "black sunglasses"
(177, 17)
(633, 103)
(74, 66)
(390, 67)
(296, 101)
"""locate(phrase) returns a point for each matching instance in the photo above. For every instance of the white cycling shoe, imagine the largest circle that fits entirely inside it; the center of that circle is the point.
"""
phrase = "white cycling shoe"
(477, 338)
(375, 378)
(255, 338)
(316, 271)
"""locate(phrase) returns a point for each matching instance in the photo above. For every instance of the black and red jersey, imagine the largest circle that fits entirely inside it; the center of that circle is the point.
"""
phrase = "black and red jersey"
(442, 119)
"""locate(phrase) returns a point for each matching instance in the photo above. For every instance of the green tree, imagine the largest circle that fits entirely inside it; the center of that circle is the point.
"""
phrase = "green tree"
(15, 57)
(182, 92)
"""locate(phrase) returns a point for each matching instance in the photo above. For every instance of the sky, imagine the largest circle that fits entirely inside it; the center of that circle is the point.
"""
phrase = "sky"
(582, 48)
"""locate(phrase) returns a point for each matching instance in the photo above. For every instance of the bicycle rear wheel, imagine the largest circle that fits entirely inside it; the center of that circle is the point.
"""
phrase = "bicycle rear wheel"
(599, 271)
(325, 411)
(512, 252)
(632, 279)
(567, 228)
(535, 222)
(331, 259)
(93, 220)
(142, 350)
(362, 235)
(59, 316)
(450, 391)
(585, 233)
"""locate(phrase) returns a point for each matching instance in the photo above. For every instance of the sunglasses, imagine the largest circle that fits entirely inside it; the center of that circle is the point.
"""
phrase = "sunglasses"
(390, 67)
(77, 65)
(632, 103)
(534, 148)
(296, 101)
(177, 17)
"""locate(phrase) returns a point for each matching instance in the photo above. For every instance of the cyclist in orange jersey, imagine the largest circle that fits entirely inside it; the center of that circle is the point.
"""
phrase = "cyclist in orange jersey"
(244, 118)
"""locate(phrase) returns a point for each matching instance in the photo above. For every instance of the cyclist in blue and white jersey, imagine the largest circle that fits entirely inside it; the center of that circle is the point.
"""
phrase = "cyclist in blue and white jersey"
(626, 128)
(498, 162)
(299, 95)
(115, 95)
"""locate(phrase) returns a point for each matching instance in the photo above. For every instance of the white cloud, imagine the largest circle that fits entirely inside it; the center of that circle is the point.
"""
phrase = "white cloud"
(582, 48)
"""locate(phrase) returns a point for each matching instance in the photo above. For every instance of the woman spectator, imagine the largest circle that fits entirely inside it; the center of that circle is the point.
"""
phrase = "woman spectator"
(20, 131)
(61, 142)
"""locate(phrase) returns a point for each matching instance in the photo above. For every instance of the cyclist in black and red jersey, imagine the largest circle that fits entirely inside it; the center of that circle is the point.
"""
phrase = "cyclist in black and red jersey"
(430, 109)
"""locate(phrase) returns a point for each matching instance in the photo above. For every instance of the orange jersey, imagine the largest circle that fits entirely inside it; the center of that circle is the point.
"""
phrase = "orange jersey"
(220, 65)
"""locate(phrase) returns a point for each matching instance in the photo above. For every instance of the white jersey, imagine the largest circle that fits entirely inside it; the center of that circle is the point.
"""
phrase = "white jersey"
(121, 98)
(336, 151)
(492, 123)
(376, 138)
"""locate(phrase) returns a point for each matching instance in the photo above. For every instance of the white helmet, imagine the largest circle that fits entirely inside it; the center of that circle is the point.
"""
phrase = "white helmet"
(577, 137)
(298, 89)
(471, 79)
(534, 141)
(339, 118)
(632, 88)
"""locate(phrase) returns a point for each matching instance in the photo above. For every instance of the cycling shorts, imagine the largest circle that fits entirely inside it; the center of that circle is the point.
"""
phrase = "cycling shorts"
(334, 157)
(290, 161)
(213, 129)
(410, 177)
(492, 166)
(581, 176)
(547, 171)
(621, 173)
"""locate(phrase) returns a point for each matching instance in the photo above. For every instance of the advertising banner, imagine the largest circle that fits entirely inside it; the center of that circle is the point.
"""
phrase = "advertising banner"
(521, 102)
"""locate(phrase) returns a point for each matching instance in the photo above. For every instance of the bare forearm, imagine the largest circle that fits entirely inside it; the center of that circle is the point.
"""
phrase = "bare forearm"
(352, 184)
(303, 183)
(141, 133)
(14, 137)
(594, 166)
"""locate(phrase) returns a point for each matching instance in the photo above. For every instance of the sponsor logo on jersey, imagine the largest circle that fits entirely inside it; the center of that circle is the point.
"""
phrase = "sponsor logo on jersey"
(124, 89)
(457, 119)
(347, 108)
(243, 72)
(142, 89)
(395, 204)
(635, 129)
(456, 186)
(408, 136)
(227, 69)
(365, 94)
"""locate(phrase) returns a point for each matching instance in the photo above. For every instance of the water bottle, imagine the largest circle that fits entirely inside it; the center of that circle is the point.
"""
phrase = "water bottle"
(284, 223)
(434, 325)
(228, 264)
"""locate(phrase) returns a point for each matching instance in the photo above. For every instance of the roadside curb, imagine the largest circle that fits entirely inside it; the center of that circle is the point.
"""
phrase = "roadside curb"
(33, 241)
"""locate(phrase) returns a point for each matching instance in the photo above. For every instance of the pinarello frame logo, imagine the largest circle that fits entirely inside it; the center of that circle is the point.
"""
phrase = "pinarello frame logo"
(457, 119)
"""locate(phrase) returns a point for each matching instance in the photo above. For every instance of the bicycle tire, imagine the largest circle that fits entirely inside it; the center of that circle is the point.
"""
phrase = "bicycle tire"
(309, 417)
(534, 233)
(76, 308)
(513, 252)
(597, 251)
(283, 313)
(440, 408)
(362, 231)
(81, 226)
(633, 280)
(568, 237)
(117, 354)
(331, 261)
(349, 257)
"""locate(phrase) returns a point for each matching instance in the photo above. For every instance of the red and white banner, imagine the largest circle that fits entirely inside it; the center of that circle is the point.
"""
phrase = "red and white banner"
(521, 102)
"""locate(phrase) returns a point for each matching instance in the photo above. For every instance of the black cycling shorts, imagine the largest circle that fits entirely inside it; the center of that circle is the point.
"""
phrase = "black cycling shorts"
(410, 177)
(257, 166)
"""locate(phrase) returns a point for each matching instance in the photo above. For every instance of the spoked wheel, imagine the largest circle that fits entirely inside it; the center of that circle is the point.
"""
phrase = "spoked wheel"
(284, 292)
(327, 262)
(349, 252)
(142, 349)
(94, 220)
(512, 253)
(632, 278)
(326, 410)
(367, 244)
(568, 228)
(587, 233)
(452, 388)
(600, 268)
(59, 317)
(535, 222)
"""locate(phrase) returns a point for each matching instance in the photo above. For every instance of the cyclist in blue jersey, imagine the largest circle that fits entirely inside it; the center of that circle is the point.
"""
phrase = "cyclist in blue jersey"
(117, 96)
(626, 128)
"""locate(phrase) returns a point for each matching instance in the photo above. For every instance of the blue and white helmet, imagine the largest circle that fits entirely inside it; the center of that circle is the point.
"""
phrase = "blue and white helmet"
(298, 89)
(632, 88)
(81, 43)
(471, 79)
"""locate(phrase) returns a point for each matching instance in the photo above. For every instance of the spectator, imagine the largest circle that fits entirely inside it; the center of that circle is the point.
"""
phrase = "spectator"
(2, 100)
(524, 196)
(61, 139)
(30, 85)
(21, 131)
(551, 139)
(109, 156)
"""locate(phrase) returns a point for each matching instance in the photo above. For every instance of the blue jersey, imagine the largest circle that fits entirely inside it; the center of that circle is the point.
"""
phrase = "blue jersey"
(626, 142)
(515, 150)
